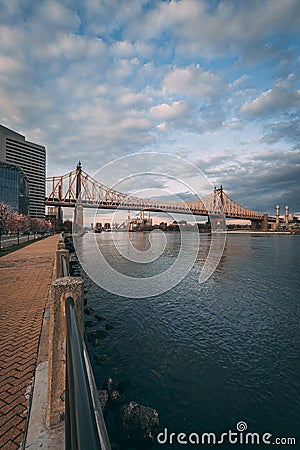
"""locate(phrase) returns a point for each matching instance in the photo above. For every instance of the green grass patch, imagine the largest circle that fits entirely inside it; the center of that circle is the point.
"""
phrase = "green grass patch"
(13, 248)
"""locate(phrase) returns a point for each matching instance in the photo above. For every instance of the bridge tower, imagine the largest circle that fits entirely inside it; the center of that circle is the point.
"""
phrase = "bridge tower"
(222, 196)
(59, 208)
(78, 211)
(78, 179)
(277, 216)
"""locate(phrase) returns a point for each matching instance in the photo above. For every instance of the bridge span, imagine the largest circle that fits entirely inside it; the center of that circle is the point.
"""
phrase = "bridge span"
(79, 188)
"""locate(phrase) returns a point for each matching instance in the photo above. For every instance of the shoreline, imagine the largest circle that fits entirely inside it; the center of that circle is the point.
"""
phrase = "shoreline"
(208, 232)
(258, 232)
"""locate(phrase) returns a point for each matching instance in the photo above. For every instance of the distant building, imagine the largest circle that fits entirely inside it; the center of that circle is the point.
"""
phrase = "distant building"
(140, 223)
(30, 159)
(54, 213)
(14, 188)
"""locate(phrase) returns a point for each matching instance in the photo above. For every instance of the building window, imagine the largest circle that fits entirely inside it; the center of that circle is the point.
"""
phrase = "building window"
(14, 188)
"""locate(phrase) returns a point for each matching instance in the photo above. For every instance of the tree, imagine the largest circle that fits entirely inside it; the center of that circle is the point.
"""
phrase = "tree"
(27, 224)
(19, 223)
(5, 217)
(67, 226)
(48, 225)
(16, 224)
(39, 225)
(34, 225)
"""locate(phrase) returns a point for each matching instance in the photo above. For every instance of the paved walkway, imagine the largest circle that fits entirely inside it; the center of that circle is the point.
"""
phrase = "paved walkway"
(25, 276)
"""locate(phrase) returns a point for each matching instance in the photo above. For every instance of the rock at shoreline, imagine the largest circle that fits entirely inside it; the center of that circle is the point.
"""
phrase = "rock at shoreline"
(108, 385)
(92, 336)
(137, 425)
(103, 397)
(115, 396)
(99, 318)
(100, 359)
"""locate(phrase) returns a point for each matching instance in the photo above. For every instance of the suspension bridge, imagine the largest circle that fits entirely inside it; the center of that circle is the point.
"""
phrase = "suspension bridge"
(78, 188)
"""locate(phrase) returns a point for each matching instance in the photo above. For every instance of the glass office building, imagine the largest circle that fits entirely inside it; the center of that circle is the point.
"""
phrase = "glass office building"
(31, 159)
(14, 188)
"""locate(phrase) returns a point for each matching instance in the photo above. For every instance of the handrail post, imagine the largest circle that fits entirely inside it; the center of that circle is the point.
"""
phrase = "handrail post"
(60, 254)
(60, 290)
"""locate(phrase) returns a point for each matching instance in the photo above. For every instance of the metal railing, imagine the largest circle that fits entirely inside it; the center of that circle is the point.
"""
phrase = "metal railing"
(81, 427)
(85, 426)
(64, 267)
(102, 432)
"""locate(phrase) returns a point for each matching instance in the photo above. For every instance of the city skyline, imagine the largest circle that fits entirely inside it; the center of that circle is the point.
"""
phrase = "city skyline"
(214, 82)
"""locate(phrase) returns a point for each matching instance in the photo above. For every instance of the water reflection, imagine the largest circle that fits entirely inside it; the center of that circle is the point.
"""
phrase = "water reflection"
(206, 356)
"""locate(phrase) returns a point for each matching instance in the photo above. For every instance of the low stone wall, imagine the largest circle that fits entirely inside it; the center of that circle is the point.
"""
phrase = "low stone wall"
(61, 289)
(46, 427)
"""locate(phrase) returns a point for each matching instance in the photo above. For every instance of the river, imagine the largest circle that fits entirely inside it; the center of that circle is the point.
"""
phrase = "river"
(208, 356)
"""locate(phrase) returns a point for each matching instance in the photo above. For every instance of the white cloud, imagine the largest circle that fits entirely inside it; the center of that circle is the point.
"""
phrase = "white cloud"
(106, 16)
(240, 81)
(126, 49)
(234, 122)
(123, 49)
(11, 38)
(135, 123)
(102, 78)
(163, 16)
(55, 14)
(9, 64)
(240, 28)
(272, 101)
(165, 112)
(74, 47)
(129, 98)
(257, 179)
(192, 80)
(124, 69)
(10, 10)
(163, 126)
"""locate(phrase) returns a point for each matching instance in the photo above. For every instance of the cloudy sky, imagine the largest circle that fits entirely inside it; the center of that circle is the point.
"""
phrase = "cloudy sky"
(213, 81)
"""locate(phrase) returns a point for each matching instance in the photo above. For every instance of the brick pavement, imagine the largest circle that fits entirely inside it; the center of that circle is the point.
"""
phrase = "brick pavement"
(25, 276)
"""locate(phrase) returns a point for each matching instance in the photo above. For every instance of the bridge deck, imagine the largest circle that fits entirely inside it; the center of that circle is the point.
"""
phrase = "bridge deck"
(164, 208)
(25, 276)
(65, 190)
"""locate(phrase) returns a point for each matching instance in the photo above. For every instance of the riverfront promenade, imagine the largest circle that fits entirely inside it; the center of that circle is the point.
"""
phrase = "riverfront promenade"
(25, 277)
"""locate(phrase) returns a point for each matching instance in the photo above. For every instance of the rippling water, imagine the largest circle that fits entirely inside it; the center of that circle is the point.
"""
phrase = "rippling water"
(208, 356)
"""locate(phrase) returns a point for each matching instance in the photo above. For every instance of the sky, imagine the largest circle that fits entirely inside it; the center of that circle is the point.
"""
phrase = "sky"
(215, 82)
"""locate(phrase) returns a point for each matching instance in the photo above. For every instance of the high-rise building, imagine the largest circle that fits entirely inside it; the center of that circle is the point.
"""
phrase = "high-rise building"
(30, 158)
(14, 189)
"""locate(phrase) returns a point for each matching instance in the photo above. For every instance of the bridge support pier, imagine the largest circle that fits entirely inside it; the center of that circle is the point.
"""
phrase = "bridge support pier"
(255, 225)
(264, 224)
(78, 219)
(60, 214)
(277, 216)
(260, 225)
